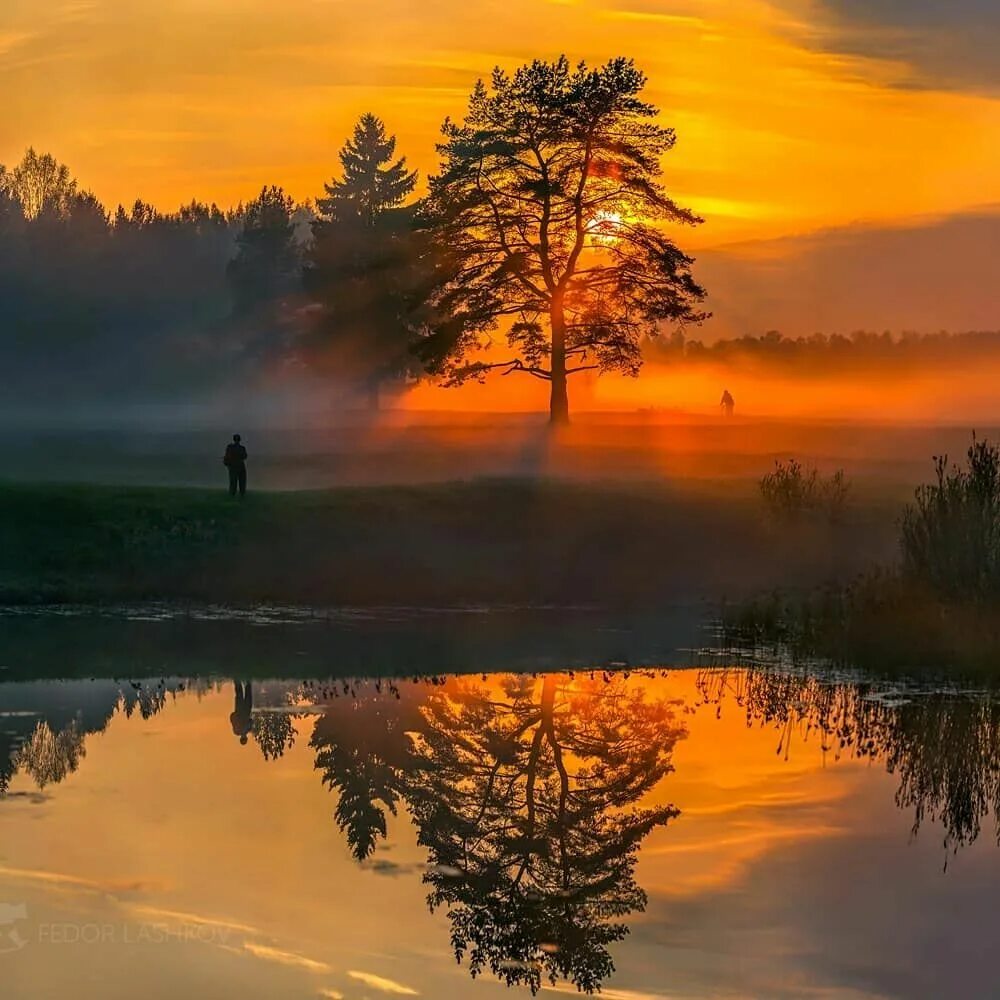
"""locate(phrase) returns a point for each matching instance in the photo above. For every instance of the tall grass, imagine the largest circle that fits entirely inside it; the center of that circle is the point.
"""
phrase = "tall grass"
(792, 490)
(950, 534)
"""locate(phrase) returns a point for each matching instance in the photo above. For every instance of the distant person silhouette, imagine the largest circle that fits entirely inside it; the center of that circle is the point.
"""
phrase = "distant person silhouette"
(242, 717)
(728, 404)
(235, 460)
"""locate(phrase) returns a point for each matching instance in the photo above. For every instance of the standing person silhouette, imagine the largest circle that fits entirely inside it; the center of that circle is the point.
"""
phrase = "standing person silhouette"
(242, 714)
(727, 403)
(235, 460)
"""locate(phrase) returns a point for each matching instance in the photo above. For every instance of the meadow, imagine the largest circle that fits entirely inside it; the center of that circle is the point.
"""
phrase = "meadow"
(524, 542)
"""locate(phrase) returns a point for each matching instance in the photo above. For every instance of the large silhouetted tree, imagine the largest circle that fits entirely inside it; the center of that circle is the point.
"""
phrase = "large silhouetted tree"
(550, 194)
(365, 265)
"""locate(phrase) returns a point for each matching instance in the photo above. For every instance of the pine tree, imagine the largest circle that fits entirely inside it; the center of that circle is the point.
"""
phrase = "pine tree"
(364, 265)
(550, 195)
(372, 183)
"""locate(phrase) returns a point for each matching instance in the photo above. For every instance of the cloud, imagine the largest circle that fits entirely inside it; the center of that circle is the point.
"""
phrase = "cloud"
(192, 919)
(393, 869)
(11, 40)
(928, 275)
(269, 954)
(59, 880)
(946, 42)
(608, 994)
(385, 985)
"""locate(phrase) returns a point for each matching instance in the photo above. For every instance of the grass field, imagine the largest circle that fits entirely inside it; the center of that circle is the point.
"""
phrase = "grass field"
(488, 541)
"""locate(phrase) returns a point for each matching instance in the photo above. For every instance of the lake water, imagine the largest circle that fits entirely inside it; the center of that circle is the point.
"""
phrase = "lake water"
(703, 832)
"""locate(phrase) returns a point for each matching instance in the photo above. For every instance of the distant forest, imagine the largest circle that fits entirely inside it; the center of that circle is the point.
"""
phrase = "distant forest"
(820, 354)
(134, 298)
(144, 303)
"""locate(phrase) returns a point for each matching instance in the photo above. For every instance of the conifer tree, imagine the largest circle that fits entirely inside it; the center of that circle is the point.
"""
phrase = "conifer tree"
(372, 182)
(363, 268)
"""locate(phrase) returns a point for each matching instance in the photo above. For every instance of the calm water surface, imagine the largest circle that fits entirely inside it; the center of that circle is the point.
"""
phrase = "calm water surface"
(682, 833)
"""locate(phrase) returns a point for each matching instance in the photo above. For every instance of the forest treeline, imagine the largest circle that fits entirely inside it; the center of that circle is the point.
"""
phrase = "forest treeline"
(94, 299)
(541, 247)
(822, 354)
(538, 248)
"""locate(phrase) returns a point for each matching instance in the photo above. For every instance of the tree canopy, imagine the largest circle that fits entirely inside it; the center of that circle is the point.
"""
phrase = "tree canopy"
(365, 266)
(266, 264)
(550, 196)
(372, 180)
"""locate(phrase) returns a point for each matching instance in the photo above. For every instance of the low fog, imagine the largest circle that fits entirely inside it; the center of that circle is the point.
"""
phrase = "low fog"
(665, 426)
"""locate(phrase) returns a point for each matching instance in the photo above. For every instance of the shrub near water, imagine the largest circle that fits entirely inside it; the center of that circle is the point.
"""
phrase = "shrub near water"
(939, 610)
(792, 490)
(951, 533)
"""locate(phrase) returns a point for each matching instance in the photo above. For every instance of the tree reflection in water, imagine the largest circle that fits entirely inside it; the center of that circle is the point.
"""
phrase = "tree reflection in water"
(944, 745)
(49, 757)
(48, 741)
(527, 794)
(528, 799)
(363, 750)
(532, 795)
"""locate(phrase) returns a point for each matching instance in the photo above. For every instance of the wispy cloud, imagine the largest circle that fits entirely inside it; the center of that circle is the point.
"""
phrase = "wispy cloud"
(10, 40)
(609, 994)
(269, 954)
(383, 984)
(191, 919)
(60, 880)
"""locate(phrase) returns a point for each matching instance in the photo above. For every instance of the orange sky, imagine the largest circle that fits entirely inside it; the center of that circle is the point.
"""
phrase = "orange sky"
(781, 130)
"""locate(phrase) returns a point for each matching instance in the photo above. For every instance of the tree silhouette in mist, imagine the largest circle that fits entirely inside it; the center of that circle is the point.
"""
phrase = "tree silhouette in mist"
(266, 265)
(42, 185)
(365, 268)
(77, 285)
(550, 196)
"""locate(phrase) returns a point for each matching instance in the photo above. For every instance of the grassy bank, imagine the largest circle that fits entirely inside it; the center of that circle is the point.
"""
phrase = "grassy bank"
(881, 623)
(485, 541)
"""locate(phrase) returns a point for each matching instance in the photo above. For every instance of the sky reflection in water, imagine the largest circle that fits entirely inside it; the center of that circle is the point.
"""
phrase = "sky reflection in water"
(702, 833)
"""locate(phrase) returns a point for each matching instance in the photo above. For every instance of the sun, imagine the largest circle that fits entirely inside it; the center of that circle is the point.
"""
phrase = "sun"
(605, 227)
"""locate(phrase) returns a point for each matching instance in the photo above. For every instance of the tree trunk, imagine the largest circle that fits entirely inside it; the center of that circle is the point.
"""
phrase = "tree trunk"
(558, 399)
